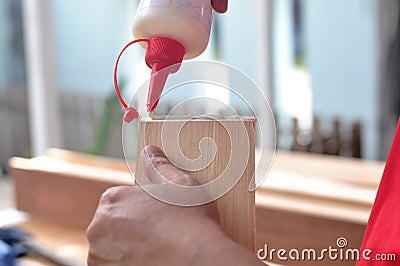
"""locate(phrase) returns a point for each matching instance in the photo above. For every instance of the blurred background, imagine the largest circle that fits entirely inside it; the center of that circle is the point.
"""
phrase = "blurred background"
(330, 70)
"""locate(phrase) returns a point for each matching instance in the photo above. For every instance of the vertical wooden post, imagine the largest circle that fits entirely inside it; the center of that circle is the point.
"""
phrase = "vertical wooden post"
(236, 208)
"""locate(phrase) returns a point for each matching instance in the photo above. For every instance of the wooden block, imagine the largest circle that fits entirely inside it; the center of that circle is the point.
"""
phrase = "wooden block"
(236, 208)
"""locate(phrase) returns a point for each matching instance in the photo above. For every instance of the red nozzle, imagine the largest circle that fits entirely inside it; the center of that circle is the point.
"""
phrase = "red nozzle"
(162, 52)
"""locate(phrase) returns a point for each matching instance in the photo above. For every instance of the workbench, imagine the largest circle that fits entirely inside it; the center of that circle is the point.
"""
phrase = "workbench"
(307, 201)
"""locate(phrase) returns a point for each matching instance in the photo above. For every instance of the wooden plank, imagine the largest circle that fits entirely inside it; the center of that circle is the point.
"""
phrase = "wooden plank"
(295, 169)
(346, 170)
(287, 217)
(280, 229)
(66, 242)
(237, 207)
(62, 192)
(77, 158)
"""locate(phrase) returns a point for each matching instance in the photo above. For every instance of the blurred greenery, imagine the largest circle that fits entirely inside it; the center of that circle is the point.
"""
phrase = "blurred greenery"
(104, 126)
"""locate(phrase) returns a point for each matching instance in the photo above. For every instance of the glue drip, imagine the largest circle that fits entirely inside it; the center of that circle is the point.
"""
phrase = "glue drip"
(161, 52)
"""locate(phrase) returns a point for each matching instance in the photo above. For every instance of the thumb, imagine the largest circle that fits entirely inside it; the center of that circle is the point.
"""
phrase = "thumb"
(159, 170)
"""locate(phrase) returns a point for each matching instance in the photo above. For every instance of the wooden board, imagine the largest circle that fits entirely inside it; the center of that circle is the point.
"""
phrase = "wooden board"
(60, 191)
(288, 216)
(66, 242)
(237, 207)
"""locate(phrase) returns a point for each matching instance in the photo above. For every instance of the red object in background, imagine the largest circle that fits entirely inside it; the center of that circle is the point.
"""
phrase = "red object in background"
(382, 236)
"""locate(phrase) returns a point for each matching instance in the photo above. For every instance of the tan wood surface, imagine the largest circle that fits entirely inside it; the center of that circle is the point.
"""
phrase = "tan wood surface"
(306, 201)
(322, 185)
(84, 159)
(61, 191)
(309, 201)
(64, 241)
(236, 208)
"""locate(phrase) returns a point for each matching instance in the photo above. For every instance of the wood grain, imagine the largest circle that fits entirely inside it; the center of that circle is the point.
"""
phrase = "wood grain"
(66, 242)
(236, 208)
(62, 192)
(291, 216)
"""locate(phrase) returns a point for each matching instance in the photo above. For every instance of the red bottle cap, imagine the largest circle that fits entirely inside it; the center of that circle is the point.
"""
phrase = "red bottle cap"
(162, 52)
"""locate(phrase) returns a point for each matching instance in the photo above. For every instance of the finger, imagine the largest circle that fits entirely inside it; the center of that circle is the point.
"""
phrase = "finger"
(220, 5)
(159, 170)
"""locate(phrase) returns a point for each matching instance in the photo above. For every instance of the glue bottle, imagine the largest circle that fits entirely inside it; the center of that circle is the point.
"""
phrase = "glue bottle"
(176, 30)
(170, 30)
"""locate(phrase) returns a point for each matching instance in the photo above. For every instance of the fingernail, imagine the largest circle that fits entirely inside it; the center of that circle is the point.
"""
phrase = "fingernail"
(153, 151)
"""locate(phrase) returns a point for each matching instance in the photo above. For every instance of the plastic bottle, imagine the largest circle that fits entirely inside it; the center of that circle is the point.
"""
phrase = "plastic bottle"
(185, 21)
(170, 30)
(176, 30)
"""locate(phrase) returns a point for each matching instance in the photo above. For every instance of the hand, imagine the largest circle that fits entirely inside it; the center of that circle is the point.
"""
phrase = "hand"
(220, 6)
(132, 228)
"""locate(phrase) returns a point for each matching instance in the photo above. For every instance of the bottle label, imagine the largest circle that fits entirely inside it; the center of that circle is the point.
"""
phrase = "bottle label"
(200, 9)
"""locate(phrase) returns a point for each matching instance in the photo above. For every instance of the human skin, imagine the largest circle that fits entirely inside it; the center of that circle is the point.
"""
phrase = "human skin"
(131, 227)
